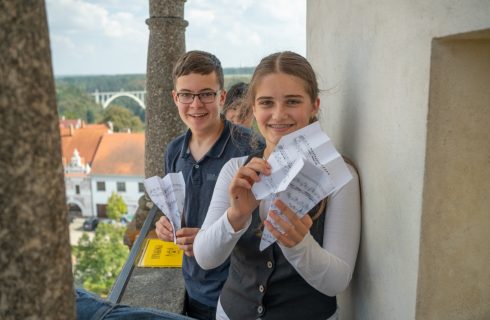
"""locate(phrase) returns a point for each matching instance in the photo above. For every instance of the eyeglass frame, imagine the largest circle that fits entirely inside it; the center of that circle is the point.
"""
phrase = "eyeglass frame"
(214, 93)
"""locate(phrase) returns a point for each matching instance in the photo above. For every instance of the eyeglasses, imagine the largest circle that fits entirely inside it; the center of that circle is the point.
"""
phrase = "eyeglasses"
(204, 97)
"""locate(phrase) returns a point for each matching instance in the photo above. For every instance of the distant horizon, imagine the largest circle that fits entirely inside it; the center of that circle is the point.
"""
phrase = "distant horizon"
(143, 73)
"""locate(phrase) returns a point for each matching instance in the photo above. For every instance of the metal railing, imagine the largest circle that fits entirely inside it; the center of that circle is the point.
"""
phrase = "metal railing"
(122, 280)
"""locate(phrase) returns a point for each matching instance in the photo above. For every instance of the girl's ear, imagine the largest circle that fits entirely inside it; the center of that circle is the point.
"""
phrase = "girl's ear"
(316, 107)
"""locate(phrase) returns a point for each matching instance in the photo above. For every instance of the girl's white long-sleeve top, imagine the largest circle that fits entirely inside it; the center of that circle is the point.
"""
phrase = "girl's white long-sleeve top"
(328, 269)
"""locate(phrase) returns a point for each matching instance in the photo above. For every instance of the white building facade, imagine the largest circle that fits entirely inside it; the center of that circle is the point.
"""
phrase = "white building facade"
(130, 188)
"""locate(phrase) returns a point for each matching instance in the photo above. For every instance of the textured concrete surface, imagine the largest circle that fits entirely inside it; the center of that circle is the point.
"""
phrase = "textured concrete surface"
(160, 288)
(35, 266)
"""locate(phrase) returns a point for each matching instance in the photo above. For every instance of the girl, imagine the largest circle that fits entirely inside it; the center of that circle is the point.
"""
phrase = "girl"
(299, 276)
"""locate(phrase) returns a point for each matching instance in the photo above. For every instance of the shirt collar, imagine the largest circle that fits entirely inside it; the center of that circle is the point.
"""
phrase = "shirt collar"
(216, 150)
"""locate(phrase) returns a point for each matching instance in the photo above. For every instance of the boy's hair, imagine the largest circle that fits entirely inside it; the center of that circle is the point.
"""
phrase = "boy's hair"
(199, 62)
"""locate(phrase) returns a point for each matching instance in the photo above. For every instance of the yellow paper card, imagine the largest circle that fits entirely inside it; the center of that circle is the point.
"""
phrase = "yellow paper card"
(160, 253)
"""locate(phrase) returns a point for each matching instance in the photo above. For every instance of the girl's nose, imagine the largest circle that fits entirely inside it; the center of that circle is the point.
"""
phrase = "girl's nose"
(279, 112)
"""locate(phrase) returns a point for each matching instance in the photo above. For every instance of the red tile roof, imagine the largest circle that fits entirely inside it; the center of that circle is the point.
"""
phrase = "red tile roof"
(120, 154)
(85, 139)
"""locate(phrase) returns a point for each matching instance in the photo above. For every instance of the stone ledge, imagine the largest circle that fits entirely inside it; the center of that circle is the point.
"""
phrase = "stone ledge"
(159, 288)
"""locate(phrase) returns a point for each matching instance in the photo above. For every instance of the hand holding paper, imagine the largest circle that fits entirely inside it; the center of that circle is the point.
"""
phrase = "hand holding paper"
(305, 169)
(168, 194)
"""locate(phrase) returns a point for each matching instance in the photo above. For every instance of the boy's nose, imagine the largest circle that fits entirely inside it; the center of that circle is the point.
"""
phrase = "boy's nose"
(196, 102)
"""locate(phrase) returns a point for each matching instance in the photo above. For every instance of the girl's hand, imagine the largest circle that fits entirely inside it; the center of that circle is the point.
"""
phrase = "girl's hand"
(294, 230)
(185, 240)
(242, 200)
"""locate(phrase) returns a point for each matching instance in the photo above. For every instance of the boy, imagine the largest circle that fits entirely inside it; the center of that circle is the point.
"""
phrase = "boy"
(200, 154)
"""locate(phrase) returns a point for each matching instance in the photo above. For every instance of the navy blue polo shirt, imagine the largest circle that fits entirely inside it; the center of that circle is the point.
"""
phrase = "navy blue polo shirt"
(200, 178)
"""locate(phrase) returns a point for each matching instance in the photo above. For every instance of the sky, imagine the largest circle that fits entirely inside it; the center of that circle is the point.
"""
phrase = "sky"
(90, 37)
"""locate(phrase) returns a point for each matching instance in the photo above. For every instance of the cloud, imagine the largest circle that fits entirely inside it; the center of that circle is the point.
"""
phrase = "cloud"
(241, 32)
(111, 36)
(93, 36)
(201, 17)
(75, 17)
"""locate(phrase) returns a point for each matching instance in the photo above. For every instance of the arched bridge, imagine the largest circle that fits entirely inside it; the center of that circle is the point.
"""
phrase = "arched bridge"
(105, 98)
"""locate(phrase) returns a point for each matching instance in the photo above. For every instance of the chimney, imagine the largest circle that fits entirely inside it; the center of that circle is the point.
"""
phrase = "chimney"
(71, 130)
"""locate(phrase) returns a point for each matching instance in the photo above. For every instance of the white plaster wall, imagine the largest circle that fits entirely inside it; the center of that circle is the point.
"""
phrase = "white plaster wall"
(130, 197)
(374, 59)
(84, 199)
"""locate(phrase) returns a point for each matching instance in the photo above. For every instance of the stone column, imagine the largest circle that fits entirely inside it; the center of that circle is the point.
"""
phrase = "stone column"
(159, 288)
(166, 44)
(35, 266)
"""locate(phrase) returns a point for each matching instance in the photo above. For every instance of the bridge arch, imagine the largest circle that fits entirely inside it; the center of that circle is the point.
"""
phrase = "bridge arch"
(124, 94)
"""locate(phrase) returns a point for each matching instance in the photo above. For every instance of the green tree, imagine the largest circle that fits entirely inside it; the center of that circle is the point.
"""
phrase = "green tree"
(74, 103)
(131, 105)
(116, 207)
(90, 116)
(100, 260)
(122, 119)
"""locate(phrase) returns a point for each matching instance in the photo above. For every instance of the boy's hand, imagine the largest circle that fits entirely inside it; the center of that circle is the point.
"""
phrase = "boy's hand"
(185, 240)
(164, 229)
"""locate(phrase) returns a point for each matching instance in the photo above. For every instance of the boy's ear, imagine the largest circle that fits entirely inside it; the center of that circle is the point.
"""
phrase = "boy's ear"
(222, 97)
(174, 96)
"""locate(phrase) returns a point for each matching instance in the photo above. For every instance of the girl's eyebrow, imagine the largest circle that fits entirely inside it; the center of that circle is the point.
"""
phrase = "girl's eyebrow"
(294, 96)
(264, 98)
(288, 96)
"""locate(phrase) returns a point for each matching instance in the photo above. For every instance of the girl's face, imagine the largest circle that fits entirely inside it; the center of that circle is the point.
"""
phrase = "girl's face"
(282, 106)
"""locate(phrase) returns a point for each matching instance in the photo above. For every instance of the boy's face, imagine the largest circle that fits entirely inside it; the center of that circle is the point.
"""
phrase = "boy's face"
(201, 117)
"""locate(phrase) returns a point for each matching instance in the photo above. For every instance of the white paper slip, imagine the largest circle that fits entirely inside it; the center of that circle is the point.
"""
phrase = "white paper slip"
(308, 187)
(310, 143)
(168, 194)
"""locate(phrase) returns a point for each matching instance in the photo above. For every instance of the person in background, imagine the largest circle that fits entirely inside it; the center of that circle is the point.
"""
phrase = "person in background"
(200, 154)
(299, 276)
(235, 108)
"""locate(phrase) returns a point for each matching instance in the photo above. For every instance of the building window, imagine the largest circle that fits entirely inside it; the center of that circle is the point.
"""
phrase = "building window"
(100, 186)
(141, 187)
(121, 187)
(77, 189)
